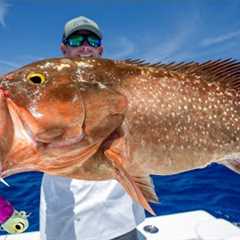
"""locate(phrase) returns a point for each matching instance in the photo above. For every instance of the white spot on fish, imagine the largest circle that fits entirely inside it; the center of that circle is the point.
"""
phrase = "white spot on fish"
(102, 86)
(59, 67)
(47, 65)
(84, 65)
(35, 113)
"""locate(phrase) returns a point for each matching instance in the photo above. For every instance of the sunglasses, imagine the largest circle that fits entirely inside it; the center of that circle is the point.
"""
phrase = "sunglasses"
(78, 40)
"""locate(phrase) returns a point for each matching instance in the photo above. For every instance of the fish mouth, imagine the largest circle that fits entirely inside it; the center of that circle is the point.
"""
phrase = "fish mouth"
(40, 137)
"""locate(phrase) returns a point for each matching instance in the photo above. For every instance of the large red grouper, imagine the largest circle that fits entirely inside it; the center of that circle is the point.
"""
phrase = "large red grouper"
(99, 119)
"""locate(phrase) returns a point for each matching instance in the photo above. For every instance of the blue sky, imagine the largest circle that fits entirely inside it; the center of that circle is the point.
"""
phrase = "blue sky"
(154, 30)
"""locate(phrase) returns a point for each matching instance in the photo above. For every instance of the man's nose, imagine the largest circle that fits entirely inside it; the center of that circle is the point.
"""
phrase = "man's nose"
(85, 43)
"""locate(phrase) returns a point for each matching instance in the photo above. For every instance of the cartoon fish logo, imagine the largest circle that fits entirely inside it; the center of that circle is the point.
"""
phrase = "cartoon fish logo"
(11, 220)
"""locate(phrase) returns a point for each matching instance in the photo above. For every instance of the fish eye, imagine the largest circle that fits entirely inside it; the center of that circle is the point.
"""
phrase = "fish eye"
(36, 78)
(20, 227)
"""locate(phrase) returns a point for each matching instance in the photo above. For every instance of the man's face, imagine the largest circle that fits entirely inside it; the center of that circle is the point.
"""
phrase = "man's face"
(85, 50)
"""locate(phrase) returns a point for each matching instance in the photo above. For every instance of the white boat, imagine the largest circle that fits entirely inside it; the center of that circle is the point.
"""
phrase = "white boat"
(195, 225)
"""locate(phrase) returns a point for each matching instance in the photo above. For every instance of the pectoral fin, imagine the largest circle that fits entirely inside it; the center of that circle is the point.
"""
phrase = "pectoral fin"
(139, 188)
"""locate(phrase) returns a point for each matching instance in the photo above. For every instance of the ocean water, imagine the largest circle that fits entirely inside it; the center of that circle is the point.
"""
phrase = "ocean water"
(215, 189)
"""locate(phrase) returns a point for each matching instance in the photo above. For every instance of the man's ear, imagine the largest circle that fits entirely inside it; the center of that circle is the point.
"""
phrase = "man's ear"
(63, 48)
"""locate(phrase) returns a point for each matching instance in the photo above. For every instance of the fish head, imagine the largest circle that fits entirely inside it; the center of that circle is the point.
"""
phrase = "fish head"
(55, 105)
(47, 96)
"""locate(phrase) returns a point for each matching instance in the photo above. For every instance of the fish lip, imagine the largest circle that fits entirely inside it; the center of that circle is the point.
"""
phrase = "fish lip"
(66, 143)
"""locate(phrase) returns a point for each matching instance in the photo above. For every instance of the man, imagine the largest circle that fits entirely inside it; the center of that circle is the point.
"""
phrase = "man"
(73, 209)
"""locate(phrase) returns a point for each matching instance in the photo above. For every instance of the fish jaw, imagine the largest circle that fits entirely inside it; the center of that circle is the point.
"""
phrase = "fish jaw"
(6, 129)
(22, 145)
(38, 134)
(26, 153)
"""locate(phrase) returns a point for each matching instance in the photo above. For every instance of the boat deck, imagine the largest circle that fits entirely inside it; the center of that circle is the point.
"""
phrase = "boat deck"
(195, 225)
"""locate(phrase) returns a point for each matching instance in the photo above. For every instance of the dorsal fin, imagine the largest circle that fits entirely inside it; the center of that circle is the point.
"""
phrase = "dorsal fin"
(173, 66)
(226, 71)
(136, 61)
(180, 67)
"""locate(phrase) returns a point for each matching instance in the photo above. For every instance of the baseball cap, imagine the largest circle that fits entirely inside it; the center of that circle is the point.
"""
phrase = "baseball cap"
(81, 23)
